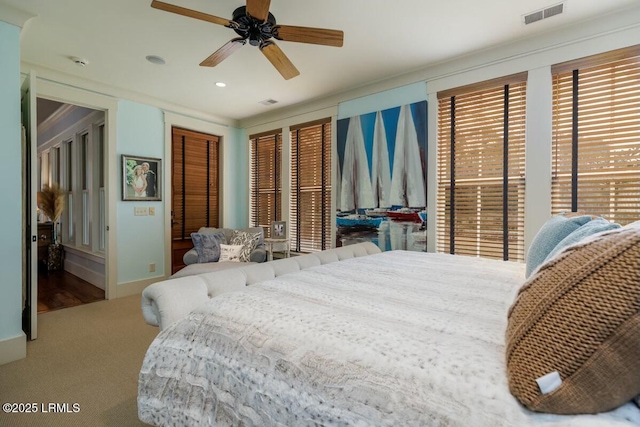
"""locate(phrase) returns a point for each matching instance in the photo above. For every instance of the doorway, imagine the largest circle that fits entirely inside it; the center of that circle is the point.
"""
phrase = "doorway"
(195, 188)
(71, 162)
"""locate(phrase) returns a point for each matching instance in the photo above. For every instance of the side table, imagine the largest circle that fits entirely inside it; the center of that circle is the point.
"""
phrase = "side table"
(276, 245)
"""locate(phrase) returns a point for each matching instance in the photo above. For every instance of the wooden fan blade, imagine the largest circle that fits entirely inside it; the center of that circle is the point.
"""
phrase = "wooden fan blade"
(190, 13)
(259, 9)
(225, 51)
(310, 35)
(279, 60)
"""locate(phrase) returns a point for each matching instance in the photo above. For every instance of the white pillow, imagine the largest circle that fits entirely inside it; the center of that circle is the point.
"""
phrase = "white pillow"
(230, 252)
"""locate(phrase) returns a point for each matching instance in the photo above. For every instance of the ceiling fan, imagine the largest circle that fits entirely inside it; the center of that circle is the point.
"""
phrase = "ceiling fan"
(255, 24)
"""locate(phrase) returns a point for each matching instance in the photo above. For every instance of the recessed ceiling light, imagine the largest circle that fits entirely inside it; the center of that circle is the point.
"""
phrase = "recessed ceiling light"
(156, 60)
(221, 84)
(268, 102)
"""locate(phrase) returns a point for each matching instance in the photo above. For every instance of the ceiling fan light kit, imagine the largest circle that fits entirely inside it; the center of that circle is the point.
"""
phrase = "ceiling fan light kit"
(256, 25)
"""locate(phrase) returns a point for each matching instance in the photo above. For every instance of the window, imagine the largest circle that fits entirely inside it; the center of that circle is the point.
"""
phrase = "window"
(55, 151)
(266, 186)
(596, 136)
(102, 198)
(70, 223)
(76, 161)
(481, 135)
(100, 156)
(39, 178)
(69, 165)
(45, 179)
(84, 181)
(84, 161)
(310, 209)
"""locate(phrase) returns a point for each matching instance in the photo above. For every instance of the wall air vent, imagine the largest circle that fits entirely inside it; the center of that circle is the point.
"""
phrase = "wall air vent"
(545, 13)
(268, 102)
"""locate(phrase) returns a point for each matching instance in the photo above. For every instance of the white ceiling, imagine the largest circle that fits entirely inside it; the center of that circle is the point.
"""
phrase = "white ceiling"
(383, 38)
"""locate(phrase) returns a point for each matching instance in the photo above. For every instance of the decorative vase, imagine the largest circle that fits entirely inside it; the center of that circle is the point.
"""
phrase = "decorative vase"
(55, 257)
(54, 233)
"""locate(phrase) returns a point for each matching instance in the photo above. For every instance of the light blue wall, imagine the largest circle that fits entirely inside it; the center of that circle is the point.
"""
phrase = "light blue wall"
(236, 180)
(382, 100)
(10, 189)
(140, 238)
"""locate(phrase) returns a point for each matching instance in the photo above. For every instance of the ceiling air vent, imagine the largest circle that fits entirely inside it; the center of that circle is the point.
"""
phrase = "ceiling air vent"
(554, 10)
(541, 14)
(268, 102)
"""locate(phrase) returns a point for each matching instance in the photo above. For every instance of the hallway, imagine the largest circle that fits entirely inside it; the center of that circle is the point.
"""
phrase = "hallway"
(60, 289)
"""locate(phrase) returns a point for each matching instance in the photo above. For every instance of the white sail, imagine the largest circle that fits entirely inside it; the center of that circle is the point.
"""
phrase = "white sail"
(355, 191)
(380, 171)
(407, 181)
(338, 196)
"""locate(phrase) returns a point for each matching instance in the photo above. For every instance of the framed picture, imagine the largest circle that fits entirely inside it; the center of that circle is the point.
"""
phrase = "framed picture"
(279, 230)
(141, 178)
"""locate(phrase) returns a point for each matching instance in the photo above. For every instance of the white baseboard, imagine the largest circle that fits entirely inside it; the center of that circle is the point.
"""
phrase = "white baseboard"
(96, 279)
(12, 349)
(134, 288)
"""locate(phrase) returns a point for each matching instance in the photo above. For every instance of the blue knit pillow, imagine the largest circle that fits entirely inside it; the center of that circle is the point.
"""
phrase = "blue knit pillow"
(592, 227)
(552, 233)
(207, 246)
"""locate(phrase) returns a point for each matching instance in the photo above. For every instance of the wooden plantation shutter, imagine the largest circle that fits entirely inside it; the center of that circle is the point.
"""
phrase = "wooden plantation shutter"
(310, 228)
(596, 136)
(481, 135)
(195, 182)
(266, 188)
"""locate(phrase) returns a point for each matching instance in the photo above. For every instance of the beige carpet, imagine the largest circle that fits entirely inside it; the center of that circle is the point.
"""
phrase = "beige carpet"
(89, 355)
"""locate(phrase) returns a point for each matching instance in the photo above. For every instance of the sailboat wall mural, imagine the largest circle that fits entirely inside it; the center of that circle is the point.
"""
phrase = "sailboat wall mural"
(407, 183)
(380, 169)
(355, 185)
(382, 159)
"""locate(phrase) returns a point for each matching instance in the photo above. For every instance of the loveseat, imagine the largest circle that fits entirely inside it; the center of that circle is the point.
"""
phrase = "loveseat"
(190, 258)
(169, 300)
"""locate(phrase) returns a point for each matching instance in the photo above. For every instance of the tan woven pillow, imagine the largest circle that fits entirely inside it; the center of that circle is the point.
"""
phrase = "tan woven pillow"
(579, 315)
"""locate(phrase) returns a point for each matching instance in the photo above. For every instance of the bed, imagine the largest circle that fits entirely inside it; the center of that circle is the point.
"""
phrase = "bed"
(391, 339)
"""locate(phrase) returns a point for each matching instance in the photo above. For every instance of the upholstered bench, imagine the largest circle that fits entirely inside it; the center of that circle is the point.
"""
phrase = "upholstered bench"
(208, 267)
(170, 300)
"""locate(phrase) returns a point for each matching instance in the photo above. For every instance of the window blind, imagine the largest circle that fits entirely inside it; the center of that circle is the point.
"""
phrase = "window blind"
(266, 187)
(481, 135)
(596, 136)
(195, 182)
(310, 208)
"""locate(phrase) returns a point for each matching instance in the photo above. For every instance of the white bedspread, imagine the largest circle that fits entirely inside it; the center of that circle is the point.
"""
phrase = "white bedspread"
(392, 339)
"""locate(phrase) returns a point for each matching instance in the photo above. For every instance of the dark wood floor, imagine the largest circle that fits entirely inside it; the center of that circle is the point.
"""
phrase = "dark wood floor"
(60, 289)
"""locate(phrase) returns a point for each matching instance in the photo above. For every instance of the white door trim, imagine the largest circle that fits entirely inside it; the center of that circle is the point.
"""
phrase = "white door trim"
(32, 138)
(67, 94)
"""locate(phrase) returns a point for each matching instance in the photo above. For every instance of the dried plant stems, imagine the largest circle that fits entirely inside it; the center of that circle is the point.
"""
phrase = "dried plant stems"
(51, 201)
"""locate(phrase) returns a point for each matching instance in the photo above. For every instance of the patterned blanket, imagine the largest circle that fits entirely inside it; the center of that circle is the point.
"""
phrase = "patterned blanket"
(393, 339)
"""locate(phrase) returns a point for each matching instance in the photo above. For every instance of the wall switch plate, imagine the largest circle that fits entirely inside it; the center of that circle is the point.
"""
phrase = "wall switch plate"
(152, 267)
(152, 210)
(140, 211)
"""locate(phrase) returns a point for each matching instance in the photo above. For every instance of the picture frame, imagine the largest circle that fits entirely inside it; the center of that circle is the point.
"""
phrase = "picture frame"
(279, 230)
(141, 178)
